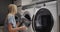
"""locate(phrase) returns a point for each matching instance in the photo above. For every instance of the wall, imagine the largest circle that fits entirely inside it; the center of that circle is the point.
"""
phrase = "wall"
(58, 7)
(3, 9)
(27, 2)
(59, 13)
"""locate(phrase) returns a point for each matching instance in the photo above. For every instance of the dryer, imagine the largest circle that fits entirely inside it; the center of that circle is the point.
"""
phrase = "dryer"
(45, 18)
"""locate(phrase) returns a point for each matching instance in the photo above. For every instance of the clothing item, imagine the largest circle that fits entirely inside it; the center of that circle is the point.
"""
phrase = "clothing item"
(10, 19)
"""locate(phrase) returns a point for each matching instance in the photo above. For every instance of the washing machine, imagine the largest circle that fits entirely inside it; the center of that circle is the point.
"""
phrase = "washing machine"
(45, 17)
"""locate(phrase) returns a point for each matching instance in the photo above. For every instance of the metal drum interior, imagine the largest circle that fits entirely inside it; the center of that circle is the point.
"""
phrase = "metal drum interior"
(26, 14)
(43, 21)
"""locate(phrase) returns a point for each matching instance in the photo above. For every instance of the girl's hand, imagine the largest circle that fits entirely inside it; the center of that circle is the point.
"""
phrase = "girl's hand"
(23, 28)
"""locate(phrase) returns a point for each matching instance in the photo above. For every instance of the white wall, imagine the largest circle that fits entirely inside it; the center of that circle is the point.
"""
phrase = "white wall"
(27, 2)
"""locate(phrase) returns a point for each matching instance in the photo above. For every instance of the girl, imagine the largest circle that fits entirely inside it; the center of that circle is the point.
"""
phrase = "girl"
(10, 24)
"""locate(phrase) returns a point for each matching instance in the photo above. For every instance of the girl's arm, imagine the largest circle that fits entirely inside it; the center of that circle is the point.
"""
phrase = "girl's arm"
(15, 29)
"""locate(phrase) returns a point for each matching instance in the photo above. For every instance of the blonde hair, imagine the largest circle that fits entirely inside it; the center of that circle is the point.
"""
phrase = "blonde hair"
(12, 8)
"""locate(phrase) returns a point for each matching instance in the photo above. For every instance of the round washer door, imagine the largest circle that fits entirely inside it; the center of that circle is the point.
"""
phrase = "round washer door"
(43, 21)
